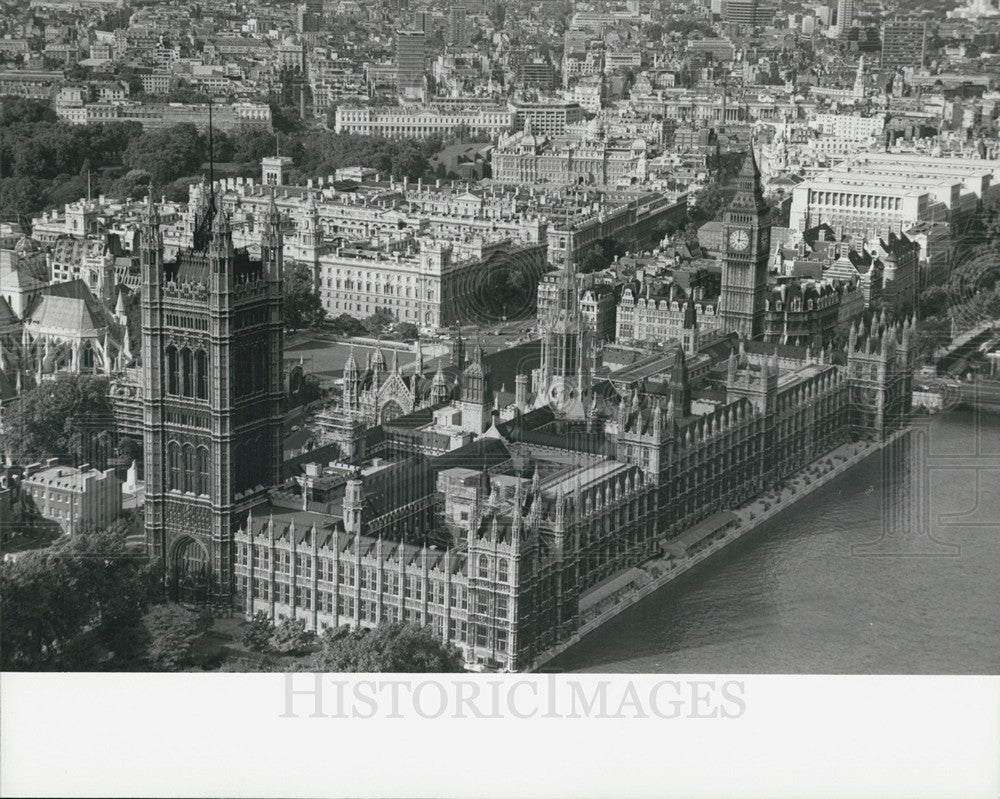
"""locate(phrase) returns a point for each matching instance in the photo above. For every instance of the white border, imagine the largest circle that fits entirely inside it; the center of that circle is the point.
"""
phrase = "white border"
(223, 735)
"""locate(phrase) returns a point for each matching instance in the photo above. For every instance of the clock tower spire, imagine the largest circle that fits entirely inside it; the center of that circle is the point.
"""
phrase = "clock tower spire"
(747, 227)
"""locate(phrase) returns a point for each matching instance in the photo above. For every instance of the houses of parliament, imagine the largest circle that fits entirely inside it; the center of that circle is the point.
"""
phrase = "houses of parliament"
(500, 543)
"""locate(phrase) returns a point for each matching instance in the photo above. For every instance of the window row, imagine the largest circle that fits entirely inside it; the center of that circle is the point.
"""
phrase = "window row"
(187, 468)
(187, 372)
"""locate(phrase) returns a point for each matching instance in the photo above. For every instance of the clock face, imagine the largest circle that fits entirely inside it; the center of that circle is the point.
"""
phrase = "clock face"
(739, 240)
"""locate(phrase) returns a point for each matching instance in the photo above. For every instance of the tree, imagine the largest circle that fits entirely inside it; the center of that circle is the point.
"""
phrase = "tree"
(77, 604)
(347, 325)
(601, 255)
(302, 306)
(291, 637)
(379, 321)
(172, 631)
(169, 153)
(708, 202)
(407, 331)
(387, 648)
(58, 418)
(257, 635)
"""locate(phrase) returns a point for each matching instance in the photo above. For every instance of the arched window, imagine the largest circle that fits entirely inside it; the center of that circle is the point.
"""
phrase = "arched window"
(187, 468)
(484, 566)
(202, 466)
(174, 466)
(172, 385)
(201, 374)
(187, 373)
(502, 569)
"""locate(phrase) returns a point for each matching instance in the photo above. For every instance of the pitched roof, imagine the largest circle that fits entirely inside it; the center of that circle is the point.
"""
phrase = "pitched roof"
(68, 306)
(7, 316)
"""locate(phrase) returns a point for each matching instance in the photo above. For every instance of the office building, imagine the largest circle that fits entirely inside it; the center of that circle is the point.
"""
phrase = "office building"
(410, 58)
(904, 44)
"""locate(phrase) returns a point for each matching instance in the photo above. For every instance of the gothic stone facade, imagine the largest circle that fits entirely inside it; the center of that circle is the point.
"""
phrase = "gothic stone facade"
(212, 370)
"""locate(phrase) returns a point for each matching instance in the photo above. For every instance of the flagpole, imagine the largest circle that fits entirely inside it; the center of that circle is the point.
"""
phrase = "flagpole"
(211, 153)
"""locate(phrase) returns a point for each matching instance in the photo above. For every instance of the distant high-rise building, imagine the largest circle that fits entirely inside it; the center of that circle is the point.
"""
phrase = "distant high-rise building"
(845, 17)
(537, 73)
(423, 21)
(743, 12)
(904, 43)
(458, 32)
(410, 49)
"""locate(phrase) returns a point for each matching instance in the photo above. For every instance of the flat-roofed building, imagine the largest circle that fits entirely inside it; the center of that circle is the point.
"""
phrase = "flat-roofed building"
(904, 43)
(423, 122)
(77, 499)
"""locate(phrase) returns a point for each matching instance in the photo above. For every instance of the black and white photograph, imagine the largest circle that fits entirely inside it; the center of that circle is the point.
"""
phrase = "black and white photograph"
(489, 372)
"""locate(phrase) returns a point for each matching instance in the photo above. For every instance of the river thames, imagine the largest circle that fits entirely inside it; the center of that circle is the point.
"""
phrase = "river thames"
(893, 568)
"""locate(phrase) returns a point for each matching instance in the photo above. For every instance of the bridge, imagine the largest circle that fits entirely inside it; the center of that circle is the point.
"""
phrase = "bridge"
(954, 358)
(943, 394)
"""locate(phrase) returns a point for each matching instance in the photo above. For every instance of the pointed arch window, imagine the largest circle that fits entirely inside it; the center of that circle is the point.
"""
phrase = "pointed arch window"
(484, 567)
(187, 373)
(187, 468)
(201, 374)
(174, 466)
(502, 571)
(202, 469)
(172, 371)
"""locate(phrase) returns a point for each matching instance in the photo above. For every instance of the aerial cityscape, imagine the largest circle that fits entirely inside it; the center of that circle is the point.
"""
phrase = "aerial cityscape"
(496, 336)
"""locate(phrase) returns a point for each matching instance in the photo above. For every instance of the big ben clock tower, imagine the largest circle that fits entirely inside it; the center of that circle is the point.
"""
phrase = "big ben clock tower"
(747, 229)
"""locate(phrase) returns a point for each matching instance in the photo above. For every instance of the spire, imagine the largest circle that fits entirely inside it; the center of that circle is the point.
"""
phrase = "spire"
(351, 365)
(378, 359)
(418, 360)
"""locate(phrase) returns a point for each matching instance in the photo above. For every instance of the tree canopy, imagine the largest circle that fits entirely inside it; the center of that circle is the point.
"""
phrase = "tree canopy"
(45, 161)
(56, 418)
(302, 305)
(387, 648)
(76, 605)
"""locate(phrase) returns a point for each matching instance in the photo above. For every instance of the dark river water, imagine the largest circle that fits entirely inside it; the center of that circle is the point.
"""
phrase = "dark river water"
(893, 568)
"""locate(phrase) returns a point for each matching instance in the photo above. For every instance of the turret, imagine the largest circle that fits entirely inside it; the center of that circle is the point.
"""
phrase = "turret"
(352, 380)
(418, 358)
(439, 387)
(378, 363)
(272, 241)
(353, 501)
(521, 391)
(220, 252)
(151, 245)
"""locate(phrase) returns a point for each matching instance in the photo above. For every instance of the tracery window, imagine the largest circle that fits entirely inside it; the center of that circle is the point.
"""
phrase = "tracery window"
(174, 466)
(201, 374)
(172, 382)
